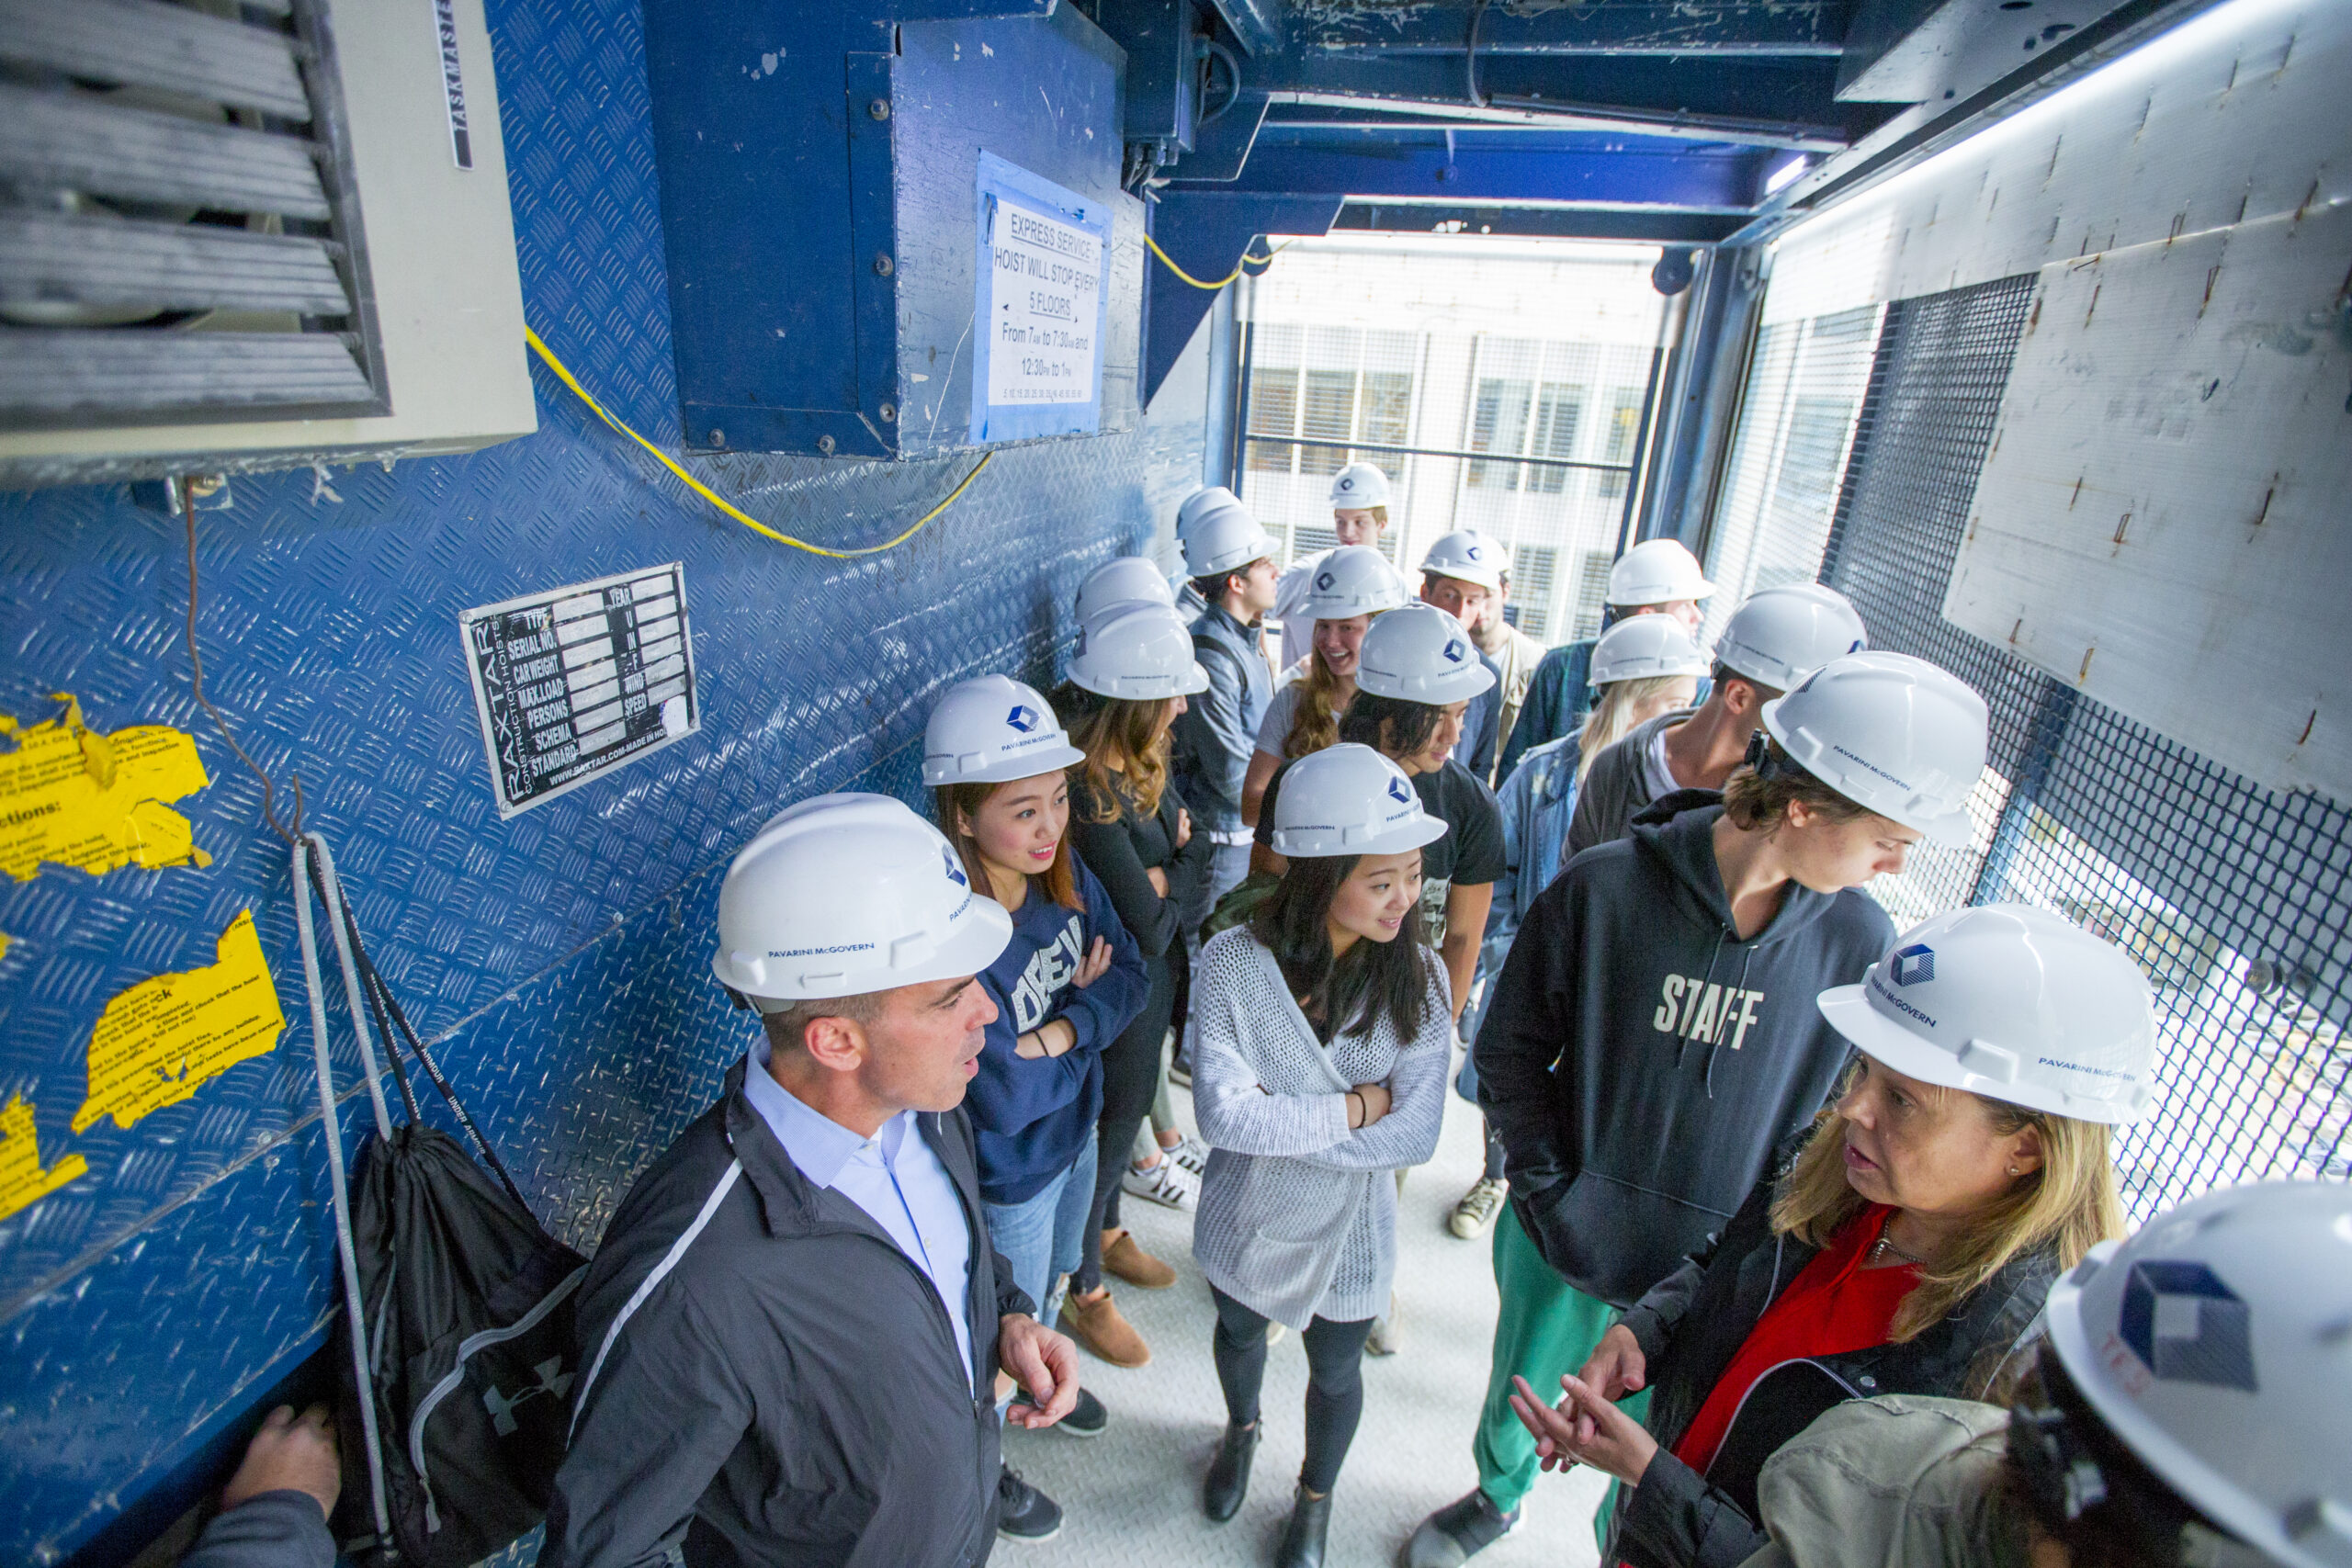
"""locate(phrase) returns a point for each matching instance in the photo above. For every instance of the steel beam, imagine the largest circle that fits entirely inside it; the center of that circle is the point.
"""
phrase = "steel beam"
(1655, 226)
(1716, 180)
(1205, 232)
(1682, 28)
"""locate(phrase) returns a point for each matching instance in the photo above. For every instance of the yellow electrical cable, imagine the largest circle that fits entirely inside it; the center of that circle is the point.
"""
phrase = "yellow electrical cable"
(1229, 276)
(565, 375)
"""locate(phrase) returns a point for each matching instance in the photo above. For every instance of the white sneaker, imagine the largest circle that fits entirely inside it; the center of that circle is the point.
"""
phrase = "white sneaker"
(1167, 1183)
(1476, 1214)
(1191, 1154)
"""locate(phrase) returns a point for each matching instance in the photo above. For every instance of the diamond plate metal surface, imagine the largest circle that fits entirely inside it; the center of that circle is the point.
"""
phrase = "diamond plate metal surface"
(561, 957)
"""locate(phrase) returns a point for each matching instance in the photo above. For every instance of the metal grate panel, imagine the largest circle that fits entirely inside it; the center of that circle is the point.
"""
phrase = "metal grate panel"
(2231, 898)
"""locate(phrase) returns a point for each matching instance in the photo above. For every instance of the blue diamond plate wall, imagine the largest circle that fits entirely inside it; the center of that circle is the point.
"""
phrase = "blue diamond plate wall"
(561, 957)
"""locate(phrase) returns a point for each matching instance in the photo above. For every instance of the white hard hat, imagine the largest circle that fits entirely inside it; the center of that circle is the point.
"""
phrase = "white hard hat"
(1120, 582)
(1644, 646)
(2011, 1002)
(1138, 652)
(846, 895)
(1199, 501)
(1421, 654)
(1656, 571)
(993, 729)
(1225, 537)
(1782, 635)
(1893, 734)
(1354, 579)
(1349, 800)
(1470, 556)
(1358, 486)
(2213, 1345)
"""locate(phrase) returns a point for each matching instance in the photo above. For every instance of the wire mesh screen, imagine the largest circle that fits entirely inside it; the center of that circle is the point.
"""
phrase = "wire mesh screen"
(2231, 898)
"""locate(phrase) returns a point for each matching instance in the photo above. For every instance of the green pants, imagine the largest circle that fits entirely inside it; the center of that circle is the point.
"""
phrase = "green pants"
(1546, 1329)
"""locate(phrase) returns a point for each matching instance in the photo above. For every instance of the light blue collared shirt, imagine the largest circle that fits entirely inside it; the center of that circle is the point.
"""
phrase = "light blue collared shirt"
(893, 1176)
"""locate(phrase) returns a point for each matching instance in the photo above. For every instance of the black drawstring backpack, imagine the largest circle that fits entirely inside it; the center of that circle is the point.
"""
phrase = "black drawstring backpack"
(456, 1342)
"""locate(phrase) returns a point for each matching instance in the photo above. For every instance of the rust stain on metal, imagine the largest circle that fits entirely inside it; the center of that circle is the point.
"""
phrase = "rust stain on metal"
(2015, 629)
(2122, 526)
(2306, 735)
(2304, 206)
(2213, 275)
(2084, 672)
(2078, 493)
(2094, 305)
(2264, 511)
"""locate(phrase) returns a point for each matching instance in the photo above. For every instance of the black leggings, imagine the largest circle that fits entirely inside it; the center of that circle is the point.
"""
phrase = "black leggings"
(1334, 1382)
(1130, 1079)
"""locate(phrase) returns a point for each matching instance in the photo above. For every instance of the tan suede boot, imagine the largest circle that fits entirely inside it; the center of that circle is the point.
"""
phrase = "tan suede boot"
(1097, 1325)
(1122, 1260)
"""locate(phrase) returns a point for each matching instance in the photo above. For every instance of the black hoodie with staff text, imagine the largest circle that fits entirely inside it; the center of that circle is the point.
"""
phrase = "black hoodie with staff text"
(1640, 1061)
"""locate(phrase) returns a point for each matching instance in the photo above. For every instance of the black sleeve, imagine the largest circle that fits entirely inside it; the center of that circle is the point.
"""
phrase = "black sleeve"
(1485, 713)
(1674, 1519)
(1196, 848)
(1265, 830)
(1479, 856)
(275, 1529)
(1524, 1031)
(1108, 850)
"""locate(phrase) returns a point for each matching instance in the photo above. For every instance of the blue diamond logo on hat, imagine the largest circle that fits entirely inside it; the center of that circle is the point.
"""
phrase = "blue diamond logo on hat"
(954, 873)
(1400, 791)
(2187, 1326)
(1474, 552)
(1023, 718)
(1323, 581)
(1915, 963)
(1454, 650)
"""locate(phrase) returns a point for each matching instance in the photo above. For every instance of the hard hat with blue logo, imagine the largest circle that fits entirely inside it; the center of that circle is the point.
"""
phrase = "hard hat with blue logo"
(2214, 1346)
(1225, 537)
(1349, 800)
(1358, 486)
(993, 729)
(1656, 571)
(1421, 654)
(846, 895)
(1469, 556)
(1354, 579)
(2011, 1002)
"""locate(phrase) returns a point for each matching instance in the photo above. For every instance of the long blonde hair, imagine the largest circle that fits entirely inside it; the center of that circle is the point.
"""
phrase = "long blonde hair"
(1612, 718)
(2069, 1205)
(1315, 722)
(1127, 731)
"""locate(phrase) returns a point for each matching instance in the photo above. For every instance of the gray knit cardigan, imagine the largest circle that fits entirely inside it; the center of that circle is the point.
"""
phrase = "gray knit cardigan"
(1297, 1214)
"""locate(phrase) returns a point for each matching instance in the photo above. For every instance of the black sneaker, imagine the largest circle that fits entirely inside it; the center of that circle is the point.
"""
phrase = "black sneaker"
(1459, 1532)
(1087, 1417)
(1024, 1513)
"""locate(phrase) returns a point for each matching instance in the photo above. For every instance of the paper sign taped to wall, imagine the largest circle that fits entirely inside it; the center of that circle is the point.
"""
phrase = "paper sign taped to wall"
(1040, 313)
(22, 1181)
(72, 797)
(160, 1041)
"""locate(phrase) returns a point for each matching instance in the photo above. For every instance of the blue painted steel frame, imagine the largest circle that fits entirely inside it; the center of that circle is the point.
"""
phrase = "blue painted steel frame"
(1205, 232)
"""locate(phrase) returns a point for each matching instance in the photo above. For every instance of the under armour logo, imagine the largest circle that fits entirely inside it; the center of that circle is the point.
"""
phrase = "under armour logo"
(2187, 1326)
(1323, 581)
(1400, 791)
(954, 873)
(554, 1381)
(1455, 651)
(1915, 963)
(1023, 718)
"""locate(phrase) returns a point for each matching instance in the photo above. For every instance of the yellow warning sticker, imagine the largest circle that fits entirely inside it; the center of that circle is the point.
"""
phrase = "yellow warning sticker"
(70, 795)
(159, 1041)
(22, 1181)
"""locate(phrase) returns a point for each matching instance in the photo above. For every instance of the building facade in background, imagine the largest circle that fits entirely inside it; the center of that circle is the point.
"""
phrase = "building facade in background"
(1539, 352)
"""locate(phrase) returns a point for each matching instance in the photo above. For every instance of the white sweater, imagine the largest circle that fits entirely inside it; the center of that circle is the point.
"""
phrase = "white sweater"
(1298, 1214)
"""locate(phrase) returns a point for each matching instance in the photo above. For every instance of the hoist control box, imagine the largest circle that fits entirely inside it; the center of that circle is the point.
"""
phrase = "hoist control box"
(893, 232)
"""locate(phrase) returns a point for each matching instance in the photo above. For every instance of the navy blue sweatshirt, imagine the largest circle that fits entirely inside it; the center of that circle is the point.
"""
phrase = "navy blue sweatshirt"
(1640, 1062)
(1032, 1116)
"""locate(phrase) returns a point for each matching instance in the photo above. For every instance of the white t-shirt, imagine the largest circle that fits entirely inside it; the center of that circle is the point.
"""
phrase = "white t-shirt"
(1655, 774)
(1279, 713)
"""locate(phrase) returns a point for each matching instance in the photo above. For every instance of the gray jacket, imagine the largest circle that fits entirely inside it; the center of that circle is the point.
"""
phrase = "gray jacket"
(768, 1378)
(1906, 1480)
(275, 1529)
(1218, 729)
(1616, 789)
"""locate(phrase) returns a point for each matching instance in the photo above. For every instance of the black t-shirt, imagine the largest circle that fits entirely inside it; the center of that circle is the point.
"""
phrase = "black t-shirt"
(1472, 851)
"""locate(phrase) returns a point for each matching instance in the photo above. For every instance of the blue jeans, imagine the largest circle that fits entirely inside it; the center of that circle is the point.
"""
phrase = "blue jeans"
(1044, 1236)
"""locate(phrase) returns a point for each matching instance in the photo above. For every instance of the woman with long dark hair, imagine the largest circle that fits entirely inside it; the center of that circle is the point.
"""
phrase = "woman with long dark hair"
(1320, 1042)
(1134, 670)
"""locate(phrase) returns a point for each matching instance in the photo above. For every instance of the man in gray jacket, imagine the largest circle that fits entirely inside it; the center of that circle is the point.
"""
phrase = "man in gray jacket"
(1776, 640)
(1231, 560)
(790, 1338)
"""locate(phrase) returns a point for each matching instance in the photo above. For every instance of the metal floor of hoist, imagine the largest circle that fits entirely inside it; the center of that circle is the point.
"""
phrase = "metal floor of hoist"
(1132, 1496)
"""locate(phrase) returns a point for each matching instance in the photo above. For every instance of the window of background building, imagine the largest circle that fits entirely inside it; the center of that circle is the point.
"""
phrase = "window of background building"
(1514, 370)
